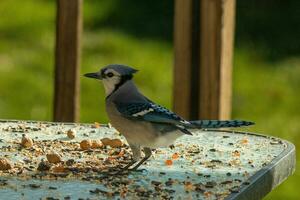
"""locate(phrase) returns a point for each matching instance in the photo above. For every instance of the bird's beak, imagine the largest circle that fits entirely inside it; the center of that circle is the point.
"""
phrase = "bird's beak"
(95, 75)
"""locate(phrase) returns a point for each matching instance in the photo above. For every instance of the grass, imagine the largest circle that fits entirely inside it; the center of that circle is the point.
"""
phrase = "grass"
(268, 94)
(263, 91)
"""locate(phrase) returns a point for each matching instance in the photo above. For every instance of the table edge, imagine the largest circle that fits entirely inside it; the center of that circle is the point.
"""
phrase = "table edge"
(269, 177)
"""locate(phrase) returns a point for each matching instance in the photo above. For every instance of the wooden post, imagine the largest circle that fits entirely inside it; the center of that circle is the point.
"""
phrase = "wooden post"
(67, 60)
(216, 50)
(182, 93)
(203, 58)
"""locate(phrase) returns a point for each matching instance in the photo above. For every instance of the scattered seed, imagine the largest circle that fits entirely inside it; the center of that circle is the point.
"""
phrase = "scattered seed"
(44, 166)
(96, 144)
(236, 153)
(226, 182)
(86, 144)
(34, 186)
(105, 141)
(114, 143)
(5, 164)
(175, 156)
(26, 141)
(53, 157)
(59, 169)
(234, 189)
(168, 162)
(156, 183)
(210, 184)
(70, 162)
(96, 125)
(71, 134)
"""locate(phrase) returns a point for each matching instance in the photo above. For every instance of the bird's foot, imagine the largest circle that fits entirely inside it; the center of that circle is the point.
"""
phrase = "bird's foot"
(125, 170)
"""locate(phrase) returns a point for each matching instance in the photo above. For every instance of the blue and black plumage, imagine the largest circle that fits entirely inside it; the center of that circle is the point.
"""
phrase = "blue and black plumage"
(143, 123)
(152, 112)
(149, 112)
(206, 124)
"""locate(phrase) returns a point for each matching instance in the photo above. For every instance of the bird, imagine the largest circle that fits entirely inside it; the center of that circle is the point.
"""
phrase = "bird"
(145, 124)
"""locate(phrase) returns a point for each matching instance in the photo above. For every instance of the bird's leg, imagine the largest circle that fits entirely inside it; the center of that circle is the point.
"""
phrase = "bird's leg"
(148, 154)
(128, 165)
(136, 155)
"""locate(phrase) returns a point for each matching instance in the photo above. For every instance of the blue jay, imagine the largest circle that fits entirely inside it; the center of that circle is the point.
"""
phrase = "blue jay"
(143, 123)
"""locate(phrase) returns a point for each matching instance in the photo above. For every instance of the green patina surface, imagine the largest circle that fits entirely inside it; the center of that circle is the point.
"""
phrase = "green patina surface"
(208, 165)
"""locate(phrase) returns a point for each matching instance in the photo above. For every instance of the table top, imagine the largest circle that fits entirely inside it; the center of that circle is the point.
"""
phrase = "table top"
(210, 164)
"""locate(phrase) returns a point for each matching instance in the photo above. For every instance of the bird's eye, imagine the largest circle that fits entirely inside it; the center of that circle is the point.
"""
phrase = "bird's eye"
(110, 74)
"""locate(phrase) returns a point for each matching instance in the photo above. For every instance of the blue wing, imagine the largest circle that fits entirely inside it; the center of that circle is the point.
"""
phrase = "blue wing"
(149, 111)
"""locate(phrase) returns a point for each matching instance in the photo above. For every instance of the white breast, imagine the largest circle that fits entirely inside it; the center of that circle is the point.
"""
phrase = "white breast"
(140, 133)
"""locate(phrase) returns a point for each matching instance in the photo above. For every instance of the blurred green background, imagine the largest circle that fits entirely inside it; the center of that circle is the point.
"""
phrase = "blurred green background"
(266, 85)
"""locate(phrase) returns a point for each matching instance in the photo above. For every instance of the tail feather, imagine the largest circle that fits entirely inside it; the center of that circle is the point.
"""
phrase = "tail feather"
(220, 123)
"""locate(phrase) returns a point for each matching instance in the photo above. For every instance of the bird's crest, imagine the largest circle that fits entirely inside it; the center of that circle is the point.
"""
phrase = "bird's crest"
(123, 70)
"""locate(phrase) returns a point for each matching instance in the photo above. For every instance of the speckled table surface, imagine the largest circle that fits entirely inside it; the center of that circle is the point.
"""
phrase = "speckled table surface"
(208, 165)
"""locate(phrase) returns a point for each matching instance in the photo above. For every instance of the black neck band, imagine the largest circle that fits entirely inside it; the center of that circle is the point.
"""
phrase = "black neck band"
(123, 80)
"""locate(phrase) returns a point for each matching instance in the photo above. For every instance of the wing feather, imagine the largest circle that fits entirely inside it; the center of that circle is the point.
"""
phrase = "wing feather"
(151, 112)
